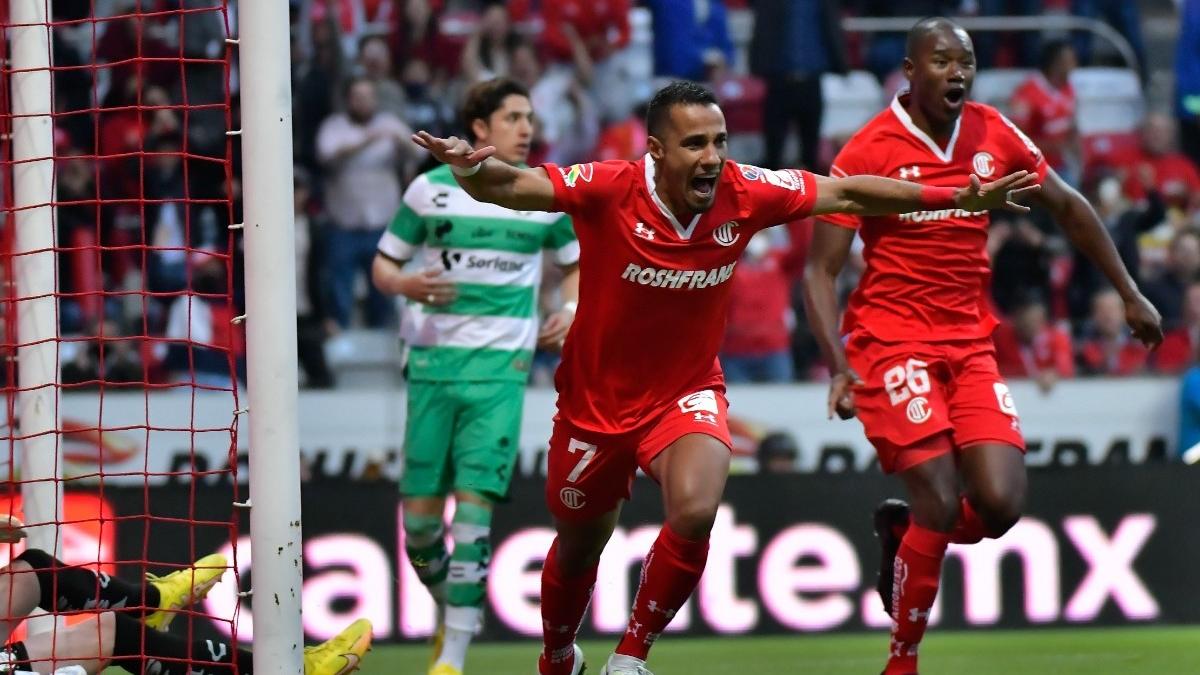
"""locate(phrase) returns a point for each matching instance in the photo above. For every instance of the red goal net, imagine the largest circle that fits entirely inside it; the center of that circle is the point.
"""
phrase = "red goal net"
(128, 364)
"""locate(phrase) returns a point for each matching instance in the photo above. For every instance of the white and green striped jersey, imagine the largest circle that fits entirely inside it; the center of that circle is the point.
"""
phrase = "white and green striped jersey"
(494, 257)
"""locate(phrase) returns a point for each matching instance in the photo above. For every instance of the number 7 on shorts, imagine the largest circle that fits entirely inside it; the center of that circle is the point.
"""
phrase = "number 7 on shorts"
(589, 451)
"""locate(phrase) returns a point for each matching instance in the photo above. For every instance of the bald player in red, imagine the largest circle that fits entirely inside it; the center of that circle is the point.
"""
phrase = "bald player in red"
(913, 358)
(640, 385)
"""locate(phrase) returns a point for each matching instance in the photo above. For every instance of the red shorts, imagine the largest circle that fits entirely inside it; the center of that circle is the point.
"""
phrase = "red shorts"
(922, 400)
(589, 474)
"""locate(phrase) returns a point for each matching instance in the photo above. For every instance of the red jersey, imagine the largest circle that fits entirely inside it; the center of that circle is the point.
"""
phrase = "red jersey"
(928, 274)
(1174, 176)
(654, 292)
(1046, 113)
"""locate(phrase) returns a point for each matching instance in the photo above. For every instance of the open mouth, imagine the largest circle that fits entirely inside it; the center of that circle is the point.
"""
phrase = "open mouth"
(955, 96)
(704, 185)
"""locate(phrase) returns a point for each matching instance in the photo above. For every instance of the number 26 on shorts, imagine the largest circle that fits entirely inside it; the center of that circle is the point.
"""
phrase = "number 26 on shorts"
(903, 382)
(589, 451)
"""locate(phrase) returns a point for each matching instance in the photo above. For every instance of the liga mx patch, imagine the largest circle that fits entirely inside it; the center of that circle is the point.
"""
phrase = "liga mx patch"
(575, 173)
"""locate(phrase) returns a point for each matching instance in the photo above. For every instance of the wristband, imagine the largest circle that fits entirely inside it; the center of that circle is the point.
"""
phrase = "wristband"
(469, 171)
(937, 197)
(571, 306)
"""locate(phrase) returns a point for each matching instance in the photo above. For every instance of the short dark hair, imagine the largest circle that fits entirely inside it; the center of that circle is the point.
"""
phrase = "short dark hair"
(487, 97)
(1052, 51)
(926, 26)
(679, 92)
(349, 83)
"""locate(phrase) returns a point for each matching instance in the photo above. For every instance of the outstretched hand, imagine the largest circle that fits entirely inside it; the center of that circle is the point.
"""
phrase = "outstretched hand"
(453, 151)
(1005, 193)
(1144, 320)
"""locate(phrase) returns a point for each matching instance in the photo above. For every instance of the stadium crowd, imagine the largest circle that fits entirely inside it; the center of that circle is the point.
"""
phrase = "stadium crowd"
(368, 72)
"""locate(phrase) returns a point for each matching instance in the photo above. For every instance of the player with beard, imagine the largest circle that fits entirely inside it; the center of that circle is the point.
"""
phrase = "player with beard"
(914, 356)
(640, 385)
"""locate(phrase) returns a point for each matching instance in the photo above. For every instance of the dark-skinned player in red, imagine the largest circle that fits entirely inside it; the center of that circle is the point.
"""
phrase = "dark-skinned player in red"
(639, 384)
(913, 358)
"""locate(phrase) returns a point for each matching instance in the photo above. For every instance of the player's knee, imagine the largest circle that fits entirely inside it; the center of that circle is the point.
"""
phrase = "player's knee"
(422, 531)
(999, 510)
(692, 518)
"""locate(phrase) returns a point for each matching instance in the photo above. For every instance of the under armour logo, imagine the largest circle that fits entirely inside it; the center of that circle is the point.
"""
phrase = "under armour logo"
(915, 615)
(706, 417)
(903, 648)
(555, 629)
(656, 609)
(644, 232)
(634, 627)
(914, 171)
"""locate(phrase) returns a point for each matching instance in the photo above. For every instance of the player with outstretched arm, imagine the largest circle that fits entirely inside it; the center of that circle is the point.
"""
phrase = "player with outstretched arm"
(639, 385)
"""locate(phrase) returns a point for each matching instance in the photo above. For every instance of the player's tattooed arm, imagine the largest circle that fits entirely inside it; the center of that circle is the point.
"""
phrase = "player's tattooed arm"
(490, 180)
(1083, 227)
(826, 256)
(876, 196)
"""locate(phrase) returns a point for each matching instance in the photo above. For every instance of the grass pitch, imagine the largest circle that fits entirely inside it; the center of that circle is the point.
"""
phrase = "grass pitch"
(1097, 651)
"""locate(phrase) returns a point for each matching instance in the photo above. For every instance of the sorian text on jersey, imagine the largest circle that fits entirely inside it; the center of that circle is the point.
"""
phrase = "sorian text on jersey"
(689, 279)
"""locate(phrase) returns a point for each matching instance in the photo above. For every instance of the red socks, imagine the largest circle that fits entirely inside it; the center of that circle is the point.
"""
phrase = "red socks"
(669, 575)
(564, 601)
(970, 528)
(917, 572)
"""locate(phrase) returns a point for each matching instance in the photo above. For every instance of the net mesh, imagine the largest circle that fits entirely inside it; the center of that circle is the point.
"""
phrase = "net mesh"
(147, 347)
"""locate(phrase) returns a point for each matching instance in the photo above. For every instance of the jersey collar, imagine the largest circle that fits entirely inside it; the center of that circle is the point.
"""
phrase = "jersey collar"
(902, 115)
(685, 233)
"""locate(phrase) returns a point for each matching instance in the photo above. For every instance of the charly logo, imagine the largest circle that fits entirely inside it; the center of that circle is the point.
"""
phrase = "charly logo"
(725, 234)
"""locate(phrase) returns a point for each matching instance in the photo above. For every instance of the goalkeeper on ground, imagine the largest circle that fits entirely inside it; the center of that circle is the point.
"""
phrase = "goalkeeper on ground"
(121, 638)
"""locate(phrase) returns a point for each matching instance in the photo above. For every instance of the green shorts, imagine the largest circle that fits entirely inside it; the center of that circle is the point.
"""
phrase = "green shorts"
(461, 436)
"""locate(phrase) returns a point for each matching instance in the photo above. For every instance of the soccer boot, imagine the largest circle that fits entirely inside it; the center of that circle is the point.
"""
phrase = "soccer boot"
(631, 666)
(444, 669)
(181, 588)
(340, 654)
(578, 665)
(891, 521)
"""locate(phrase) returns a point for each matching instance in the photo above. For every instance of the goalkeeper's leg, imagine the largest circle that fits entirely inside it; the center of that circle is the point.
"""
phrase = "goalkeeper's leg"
(112, 638)
(66, 588)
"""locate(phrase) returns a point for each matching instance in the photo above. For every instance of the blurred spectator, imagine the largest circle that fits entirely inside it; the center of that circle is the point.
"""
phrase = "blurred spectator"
(1161, 168)
(602, 26)
(600, 29)
(1108, 348)
(794, 43)
(311, 328)
(375, 64)
(1022, 250)
(987, 43)
(625, 139)
(1178, 351)
(885, 51)
(1183, 267)
(1187, 79)
(691, 38)
(759, 328)
(78, 217)
(568, 122)
(203, 338)
(361, 150)
(1120, 14)
(424, 109)
(1044, 108)
(418, 37)
(1028, 346)
(489, 50)
(314, 80)
(105, 356)
(1125, 223)
(777, 453)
